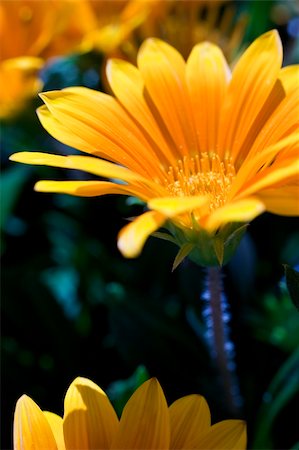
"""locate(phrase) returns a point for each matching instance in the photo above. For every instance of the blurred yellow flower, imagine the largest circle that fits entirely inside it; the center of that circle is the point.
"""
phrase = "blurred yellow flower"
(90, 423)
(31, 31)
(184, 23)
(204, 148)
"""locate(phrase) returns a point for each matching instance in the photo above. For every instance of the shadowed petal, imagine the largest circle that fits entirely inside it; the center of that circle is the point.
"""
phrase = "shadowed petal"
(225, 435)
(56, 424)
(90, 422)
(144, 422)
(189, 418)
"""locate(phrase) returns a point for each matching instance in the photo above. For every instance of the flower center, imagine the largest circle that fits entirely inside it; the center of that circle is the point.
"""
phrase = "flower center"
(203, 174)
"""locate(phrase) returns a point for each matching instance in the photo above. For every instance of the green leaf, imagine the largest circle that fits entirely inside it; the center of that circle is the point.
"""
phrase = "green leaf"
(292, 280)
(284, 386)
(182, 253)
(12, 183)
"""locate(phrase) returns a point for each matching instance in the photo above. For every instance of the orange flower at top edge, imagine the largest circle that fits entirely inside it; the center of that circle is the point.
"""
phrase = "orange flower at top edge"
(205, 148)
(90, 423)
(32, 31)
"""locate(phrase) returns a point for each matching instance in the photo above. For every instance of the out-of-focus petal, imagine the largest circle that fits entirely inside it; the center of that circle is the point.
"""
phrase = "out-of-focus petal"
(243, 210)
(133, 236)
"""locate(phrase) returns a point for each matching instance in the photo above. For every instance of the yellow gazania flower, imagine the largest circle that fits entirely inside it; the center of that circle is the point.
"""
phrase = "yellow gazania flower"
(204, 148)
(90, 423)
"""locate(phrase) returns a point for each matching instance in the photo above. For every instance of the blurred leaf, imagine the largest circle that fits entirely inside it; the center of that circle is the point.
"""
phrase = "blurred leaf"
(12, 182)
(120, 391)
(260, 13)
(292, 281)
(276, 322)
(284, 386)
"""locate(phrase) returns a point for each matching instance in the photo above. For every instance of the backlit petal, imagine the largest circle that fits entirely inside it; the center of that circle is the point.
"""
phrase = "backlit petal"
(90, 421)
(225, 435)
(31, 428)
(144, 422)
(173, 206)
(207, 77)
(243, 210)
(133, 236)
(100, 120)
(88, 188)
(252, 81)
(56, 424)
(189, 418)
(88, 164)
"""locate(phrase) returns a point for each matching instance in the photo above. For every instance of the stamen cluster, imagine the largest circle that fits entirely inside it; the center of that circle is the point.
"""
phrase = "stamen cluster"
(203, 174)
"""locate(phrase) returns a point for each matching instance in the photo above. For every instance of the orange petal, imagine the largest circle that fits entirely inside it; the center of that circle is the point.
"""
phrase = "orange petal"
(133, 236)
(243, 210)
(163, 71)
(144, 422)
(56, 424)
(255, 164)
(225, 435)
(90, 421)
(207, 77)
(283, 122)
(31, 428)
(190, 418)
(252, 81)
(268, 178)
(283, 200)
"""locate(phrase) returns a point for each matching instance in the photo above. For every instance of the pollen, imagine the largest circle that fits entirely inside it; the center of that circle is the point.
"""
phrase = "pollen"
(203, 174)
